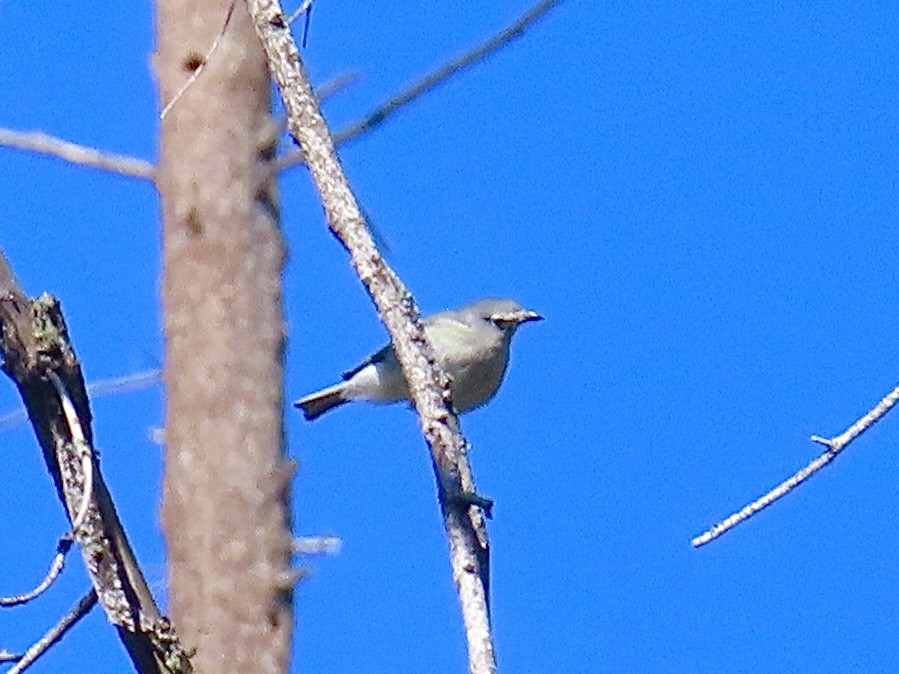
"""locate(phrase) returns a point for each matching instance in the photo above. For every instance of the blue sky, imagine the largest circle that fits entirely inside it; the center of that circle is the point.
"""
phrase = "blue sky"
(702, 202)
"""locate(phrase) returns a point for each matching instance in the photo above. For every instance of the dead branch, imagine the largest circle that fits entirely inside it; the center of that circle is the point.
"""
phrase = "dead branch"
(39, 358)
(226, 493)
(834, 447)
(428, 385)
(432, 80)
(55, 633)
(42, 143)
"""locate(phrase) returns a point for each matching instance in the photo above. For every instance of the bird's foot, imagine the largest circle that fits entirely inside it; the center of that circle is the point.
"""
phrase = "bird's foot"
(465, 499)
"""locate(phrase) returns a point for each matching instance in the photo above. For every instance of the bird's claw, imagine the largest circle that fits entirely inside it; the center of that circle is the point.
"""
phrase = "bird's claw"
(466, 499)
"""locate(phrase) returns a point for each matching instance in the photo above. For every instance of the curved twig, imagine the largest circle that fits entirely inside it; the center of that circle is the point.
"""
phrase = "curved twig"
(201, 65)
(56, 567)
(82, 451)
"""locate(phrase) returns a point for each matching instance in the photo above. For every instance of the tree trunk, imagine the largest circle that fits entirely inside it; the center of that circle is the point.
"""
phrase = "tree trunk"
(226, 494)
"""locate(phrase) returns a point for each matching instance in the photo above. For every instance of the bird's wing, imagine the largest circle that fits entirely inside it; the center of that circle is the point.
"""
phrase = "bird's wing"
(374, 358)
(443, 325)
(455, 342)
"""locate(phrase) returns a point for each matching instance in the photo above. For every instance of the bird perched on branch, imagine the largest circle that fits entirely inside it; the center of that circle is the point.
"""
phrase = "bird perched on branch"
(471, 344)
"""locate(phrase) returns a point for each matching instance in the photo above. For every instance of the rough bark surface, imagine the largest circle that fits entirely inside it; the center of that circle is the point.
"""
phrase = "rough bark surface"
(35, 350)
(428, 384)
(226, 494)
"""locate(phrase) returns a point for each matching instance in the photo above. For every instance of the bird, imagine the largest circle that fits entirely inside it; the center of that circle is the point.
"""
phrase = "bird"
(471, 344)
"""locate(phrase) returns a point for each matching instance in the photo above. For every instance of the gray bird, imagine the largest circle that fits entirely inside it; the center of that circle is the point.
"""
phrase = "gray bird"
(471, 344)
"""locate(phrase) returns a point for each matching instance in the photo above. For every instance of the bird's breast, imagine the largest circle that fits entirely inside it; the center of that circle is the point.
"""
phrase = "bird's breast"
(475, 381)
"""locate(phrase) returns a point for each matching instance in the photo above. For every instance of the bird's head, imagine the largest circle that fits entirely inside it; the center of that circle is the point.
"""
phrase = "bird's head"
(506, 315)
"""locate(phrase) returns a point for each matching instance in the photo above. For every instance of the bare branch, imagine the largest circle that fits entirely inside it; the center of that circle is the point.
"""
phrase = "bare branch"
(35, 347)
(429, 82)
(428, 385)
(838, 443)
(82, 608)
(834, 447)
(42, 143)
(56, 567)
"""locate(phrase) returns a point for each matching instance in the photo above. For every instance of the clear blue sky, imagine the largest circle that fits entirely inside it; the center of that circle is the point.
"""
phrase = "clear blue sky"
(702, 202)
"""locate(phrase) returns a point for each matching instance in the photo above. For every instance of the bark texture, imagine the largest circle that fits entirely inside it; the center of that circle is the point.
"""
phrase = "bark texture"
(226, 494)
(38, 356)
(428, 384)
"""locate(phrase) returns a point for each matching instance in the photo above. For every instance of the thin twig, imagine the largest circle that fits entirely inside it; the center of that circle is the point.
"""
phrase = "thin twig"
(428, 384)
(98, 389)
(201, 66)
(337, 85)
(316, 545)
(56, 567)
(307, 23)
(42, 143)
(834, 447)
(434, 79)
(305, 8)
(82, 450)
(82, 608)
(126, 384)
(838, 443)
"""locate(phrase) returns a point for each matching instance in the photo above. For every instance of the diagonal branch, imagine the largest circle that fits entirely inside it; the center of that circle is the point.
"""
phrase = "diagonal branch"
(55, 633)
(834, 447)
(431, 81)
(39, 358)
(428, 385)
(42, 143)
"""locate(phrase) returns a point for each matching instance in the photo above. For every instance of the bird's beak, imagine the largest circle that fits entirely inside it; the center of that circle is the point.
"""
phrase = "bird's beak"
(528, 316)
(516, 318)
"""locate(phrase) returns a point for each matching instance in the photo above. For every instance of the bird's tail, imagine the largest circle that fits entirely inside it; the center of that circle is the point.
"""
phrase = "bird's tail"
(316, 404)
